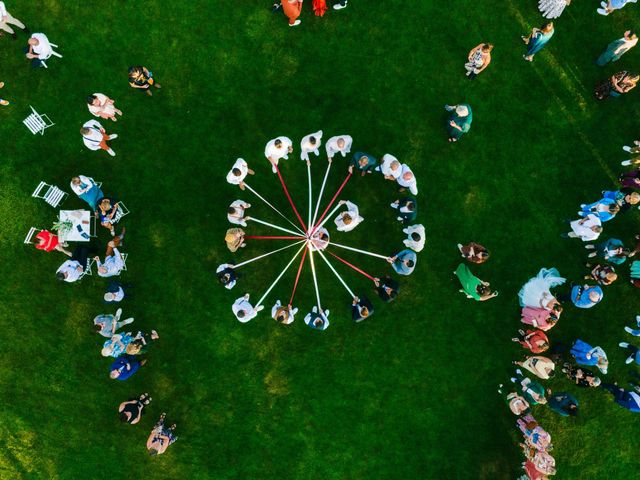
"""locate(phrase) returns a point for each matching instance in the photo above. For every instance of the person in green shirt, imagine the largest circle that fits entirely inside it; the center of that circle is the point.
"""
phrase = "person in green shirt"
(472, 286)
(363, 162)
(459, 121)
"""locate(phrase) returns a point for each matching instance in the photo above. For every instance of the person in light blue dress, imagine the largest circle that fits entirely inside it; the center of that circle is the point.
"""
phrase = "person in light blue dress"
(586, 296)
(537, 39)
(585, 354)
(617, 48)
(404, 262)
(108, 325)
(605, 209)
(87, 189)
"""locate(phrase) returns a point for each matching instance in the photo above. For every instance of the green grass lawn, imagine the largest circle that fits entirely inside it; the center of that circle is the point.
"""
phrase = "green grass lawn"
(410, 393)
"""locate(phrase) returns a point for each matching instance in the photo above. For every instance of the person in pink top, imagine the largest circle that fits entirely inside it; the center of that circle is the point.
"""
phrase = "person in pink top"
(541, 318)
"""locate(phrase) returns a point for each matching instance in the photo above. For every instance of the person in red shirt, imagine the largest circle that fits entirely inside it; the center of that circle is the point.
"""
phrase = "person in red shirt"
(534, 340)
(47, 241)
(292, 9)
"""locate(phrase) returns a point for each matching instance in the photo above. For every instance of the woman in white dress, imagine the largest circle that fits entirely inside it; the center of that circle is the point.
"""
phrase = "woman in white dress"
(535, 293)
(102, 106)
(552, 8)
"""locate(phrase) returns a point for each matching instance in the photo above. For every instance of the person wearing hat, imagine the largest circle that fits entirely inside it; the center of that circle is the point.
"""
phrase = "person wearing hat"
(243, 310)
(347, 221)
(459, 121)
(235, 239)
(238, 173)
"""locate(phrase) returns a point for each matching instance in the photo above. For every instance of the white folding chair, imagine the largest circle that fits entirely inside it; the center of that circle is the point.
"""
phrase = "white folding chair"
(120, 212)
(87, 270)
(37, 123)
(33, 231)
(53, 195)
(54, 54)
(124, 261)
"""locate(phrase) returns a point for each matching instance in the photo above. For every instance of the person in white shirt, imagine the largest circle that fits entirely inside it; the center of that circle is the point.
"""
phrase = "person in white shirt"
(102, 106)
(415, 237)
(6, 19)
(390, 167)
(73, 269)
(238, 173)
(235, 214)
(586, 229)
(320, 239)
(113, 262)
(318, 321)
(407, 179)
(39, 49)
(310, 143)
(114, 293)
(243, 310)
(276, 149)
(284, 315)
(226, 275)
(347, 221)
(340, 143)
(95, 137)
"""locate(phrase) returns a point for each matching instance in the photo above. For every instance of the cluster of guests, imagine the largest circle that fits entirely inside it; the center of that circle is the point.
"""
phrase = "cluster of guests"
(318, 237)
(124, 348)
(292, 9)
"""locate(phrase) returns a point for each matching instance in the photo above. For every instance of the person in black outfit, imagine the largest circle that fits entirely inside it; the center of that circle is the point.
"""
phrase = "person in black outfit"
(131, 411)
(387, 288)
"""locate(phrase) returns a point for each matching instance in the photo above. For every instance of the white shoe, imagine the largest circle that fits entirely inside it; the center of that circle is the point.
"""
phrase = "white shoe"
(273, 169)
(626, 149)
(603, 4)
(296, 23)
(111, 152)
(623, 344)
(128, 321)
(114, 136)
(118, 313)
(638, 320)
(628, 330)
(626, 163)
(602, 11)
(337, 6)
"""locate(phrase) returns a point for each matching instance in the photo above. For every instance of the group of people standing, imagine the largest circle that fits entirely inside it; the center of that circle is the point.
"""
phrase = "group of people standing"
(317, 238)
(125, 349)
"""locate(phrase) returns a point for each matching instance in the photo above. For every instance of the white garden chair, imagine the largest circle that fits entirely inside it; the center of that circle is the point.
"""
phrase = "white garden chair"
(33, 231)
(124, 261)
(37, 123)
(120, 212)
(87, 270)
(53, 54)
(52, 194)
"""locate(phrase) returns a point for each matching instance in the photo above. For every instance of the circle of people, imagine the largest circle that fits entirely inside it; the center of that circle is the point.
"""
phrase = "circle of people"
(317, 238)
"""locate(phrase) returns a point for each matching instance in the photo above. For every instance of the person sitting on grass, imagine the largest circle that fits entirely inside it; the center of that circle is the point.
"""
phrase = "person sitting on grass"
(602, 273)
(404, 262)
(541, 317)
(618, 84)
(625, 198)
(459, 121)
(85, 188)
(243, 310)
(407, 209)
(131, 411)
(38, 49)
(582, 377)
(115, 292)
(361, 308)
(141, 343)
(533, 392)
(472, 286)
(226, 275)
(612, 250)
(585, 354)
(563, 404)
(517, 404)
(534, 340)
(363, 162)
(141, 78)
(629, 399)
(586, 296)
(124, 367)
(108, 325)
(283, 314)
(73, 269)
(95, 137)
(106, 213)
(161, 437)
(474, 252)
(116, 345)
(541, 367)
(317, 321)
(387, 288)
(586, 229)
(47, 241)
(605, 209)
(478, 59)
(238, 173)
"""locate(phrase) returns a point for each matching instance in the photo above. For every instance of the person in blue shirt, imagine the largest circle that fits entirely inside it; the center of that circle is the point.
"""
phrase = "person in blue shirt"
(361, 308)
(634, 352)
(364, 162)
(124, 367)
(404, 262)
(317, 321)
(586, 296)
(605, 209)
(625, 398)
(585, 354)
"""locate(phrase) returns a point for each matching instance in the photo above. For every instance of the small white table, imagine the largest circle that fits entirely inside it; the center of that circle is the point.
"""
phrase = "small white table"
(81, 220)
